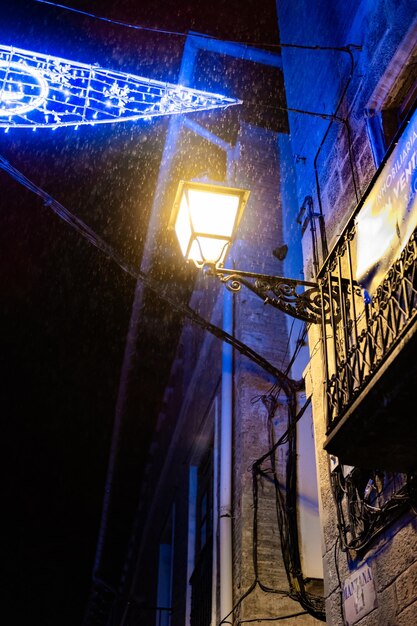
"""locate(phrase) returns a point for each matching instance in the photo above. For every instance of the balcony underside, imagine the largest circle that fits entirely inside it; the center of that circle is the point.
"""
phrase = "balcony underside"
(379, 429)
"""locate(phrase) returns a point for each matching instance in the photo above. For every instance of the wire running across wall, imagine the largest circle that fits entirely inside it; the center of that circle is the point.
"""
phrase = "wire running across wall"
(182, 34)
(367, 502)
(284, 480)
(285, 494)
(285, 488)
(111, 253)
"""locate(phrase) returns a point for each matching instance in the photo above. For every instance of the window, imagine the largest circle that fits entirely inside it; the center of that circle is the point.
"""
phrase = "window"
(164, 592)
(201, 578)
(308, 499)
(204, 503)
(393, 98)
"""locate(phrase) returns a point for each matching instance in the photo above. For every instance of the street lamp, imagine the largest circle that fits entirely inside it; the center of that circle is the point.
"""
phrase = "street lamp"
(205, 219)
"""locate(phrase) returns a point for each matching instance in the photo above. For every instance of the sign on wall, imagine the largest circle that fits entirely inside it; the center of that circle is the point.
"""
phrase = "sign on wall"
(389, 214)
(359, 595)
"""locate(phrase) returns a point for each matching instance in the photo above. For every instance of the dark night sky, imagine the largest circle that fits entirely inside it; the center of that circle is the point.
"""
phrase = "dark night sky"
(65, 308)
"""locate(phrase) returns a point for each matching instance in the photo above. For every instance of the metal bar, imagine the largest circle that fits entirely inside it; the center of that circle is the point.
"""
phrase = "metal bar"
(276, 291)
(352, 290)
(369, 338)
(325, 356)
(230, 272)
(356, 354)
(404, 290)
(335, 353)
(342, 300)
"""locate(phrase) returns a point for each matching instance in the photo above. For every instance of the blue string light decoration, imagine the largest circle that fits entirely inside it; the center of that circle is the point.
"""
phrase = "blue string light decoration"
(43, 91)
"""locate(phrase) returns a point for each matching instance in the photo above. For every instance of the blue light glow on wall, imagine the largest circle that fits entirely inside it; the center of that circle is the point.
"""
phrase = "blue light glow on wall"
(43, 91)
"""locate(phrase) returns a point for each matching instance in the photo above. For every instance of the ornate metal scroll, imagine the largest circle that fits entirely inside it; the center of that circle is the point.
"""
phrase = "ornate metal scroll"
(298, 298)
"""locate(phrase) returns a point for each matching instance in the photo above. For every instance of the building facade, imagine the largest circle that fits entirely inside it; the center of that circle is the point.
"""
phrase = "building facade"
(220, 495)
(357, 166)
(287, 458)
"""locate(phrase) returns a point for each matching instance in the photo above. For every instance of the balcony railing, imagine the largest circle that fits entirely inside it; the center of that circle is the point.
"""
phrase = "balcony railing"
(370, 341)
(363, 332)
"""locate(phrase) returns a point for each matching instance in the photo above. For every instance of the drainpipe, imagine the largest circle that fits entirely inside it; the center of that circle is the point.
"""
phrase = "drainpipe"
(226, 432)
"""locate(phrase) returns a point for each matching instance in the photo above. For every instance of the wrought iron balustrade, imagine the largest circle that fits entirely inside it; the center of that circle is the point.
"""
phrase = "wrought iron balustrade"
(358, 341)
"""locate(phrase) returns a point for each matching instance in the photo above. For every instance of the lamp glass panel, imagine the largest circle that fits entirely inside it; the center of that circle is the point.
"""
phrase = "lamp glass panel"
(213, 213)
(208, 250)
(182, 226)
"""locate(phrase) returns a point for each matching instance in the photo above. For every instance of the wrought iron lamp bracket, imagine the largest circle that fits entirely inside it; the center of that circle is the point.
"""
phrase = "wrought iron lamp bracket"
(301, 299)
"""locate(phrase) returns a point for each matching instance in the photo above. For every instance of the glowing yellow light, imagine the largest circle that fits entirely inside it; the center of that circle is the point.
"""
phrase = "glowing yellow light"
(205, 219)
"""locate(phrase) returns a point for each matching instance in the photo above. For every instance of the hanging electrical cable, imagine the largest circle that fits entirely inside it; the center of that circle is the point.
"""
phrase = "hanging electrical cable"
(367, 502)
(286, 491)
(164, 31)
(286, 507)
(184, 310)
(346, 49)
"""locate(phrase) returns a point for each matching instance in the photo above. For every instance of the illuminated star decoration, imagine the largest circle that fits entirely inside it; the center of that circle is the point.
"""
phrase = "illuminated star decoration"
(43, 91)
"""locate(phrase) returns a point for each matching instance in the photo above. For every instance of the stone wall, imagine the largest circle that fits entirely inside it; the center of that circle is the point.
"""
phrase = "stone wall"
(263, 328)
(185, 425)
(315, 81)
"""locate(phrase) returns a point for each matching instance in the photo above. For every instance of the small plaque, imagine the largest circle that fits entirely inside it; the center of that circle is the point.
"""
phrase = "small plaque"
(359, 595)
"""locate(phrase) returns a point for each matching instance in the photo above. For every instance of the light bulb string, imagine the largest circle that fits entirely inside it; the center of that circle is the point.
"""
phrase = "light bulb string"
(179, 307)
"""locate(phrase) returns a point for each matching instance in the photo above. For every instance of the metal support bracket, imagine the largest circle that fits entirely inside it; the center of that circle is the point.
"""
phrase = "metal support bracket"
(285, 294)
